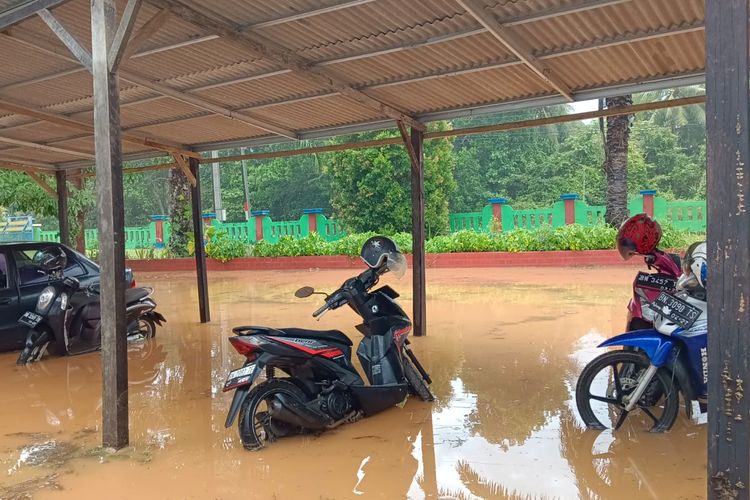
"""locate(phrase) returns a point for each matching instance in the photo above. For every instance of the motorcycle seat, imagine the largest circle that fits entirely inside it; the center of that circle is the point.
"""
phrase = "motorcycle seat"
(135, 294)
(331, 335)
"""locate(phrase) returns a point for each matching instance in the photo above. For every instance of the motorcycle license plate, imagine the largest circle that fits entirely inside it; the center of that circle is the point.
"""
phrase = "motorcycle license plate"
(675, 309)
(655, 281)
(239, 376)
(30, 319)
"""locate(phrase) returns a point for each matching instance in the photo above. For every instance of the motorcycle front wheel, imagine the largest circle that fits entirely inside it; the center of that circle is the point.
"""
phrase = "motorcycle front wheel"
(257, 427)
(417, 385)
(603, 384)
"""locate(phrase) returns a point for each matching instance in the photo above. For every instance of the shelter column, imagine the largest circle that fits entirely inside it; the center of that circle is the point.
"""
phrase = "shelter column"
(62, 206)
(200, 250)
(728, 193)
(414, 146)
(111, 218)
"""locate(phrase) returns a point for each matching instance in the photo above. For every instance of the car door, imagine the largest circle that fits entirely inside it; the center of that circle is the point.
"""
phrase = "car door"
(11, 336)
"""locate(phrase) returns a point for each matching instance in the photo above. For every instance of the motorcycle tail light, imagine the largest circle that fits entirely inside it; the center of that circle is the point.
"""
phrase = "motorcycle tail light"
(132, 283)
(244, 345)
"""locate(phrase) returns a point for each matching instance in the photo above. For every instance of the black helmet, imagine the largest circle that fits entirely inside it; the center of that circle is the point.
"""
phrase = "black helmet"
(51, 258)
(380, 251)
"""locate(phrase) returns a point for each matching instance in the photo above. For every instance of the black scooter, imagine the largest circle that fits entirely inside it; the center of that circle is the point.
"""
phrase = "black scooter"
(67, 317)
(323, 389)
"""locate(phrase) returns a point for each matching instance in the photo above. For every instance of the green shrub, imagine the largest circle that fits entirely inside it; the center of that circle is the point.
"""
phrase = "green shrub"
(570, 237)
(219, 246)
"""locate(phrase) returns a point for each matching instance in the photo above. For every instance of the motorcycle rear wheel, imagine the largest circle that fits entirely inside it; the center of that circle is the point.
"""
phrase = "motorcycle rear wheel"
(659, 405)
(256, 426)
(417, 385)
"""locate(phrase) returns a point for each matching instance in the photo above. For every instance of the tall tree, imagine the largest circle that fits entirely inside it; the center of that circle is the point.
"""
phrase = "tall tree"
(616, 161)
(371, 187)
(179, 213)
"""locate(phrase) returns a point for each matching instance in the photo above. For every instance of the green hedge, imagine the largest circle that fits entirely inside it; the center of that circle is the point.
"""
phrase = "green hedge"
(571, 237)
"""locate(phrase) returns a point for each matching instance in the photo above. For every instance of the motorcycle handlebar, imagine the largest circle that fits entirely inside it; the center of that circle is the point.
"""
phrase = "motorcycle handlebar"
(320, 310)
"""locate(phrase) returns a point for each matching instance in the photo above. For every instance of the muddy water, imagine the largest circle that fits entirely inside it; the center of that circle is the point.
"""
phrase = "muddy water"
(504, 348)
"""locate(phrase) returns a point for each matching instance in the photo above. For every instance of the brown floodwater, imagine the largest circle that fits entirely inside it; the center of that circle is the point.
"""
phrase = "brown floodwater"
(504, 348)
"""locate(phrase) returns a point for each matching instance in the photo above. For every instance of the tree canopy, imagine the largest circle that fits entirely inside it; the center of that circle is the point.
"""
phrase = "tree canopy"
(369, 189)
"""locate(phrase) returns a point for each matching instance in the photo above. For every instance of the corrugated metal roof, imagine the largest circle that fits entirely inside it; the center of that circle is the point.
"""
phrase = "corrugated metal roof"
(420, 57)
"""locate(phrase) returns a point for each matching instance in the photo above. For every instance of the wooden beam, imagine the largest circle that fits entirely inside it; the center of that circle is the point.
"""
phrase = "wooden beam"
(26, 10)
(30, 40)
(485, 129)
(442, 73)
(45, 147)
(42, 183)
(306, 14)
(148, 29)
(73, 45)
(551, 120)
(728, 224)
(263, 47)
(516, 44)
(414, 146)
(75, 124)
(111, 219)
(122, 36)
(208, 104)
(204, 309)
(10, 163)
(62, 206)
(182, 162)
(145, 33)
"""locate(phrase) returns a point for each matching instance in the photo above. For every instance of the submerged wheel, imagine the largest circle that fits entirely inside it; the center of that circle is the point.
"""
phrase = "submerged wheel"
(417, 385)
(141, 329)
(602, 386)
(256, 426)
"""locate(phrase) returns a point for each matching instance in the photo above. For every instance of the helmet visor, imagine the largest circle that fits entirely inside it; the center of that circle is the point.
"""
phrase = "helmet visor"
(626, 247)
(396, 263)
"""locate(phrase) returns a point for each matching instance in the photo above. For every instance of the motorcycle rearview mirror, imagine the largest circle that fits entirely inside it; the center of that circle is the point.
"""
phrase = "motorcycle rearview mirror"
(304, 292)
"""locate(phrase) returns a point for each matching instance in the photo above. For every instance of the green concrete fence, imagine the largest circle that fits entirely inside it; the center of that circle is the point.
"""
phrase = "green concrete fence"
(497, 215)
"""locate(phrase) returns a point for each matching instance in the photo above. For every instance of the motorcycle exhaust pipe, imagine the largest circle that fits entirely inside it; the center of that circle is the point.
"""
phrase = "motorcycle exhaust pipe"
(291, 411)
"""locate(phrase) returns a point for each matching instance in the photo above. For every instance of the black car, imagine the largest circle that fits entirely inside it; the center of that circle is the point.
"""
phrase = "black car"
(21, 282)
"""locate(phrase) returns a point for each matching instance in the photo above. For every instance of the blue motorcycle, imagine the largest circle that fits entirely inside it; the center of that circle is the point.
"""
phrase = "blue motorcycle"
(644, 379)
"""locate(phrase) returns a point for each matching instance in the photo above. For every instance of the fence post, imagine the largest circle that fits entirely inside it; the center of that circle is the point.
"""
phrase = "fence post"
(569, 199)
(159, 230)
(497, 213)
(648, 201)
(312, 218)
(208, 219)
(259, 215)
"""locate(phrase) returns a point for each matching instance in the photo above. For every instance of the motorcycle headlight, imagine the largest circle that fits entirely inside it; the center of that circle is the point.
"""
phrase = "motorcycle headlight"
(45, 300)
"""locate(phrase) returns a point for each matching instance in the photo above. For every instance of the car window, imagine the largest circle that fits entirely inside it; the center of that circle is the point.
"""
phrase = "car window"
(74, 268)
(28, 272)
(3, 271)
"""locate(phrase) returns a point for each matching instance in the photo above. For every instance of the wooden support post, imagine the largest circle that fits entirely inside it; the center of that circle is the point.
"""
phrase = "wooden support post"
(62, 206)
(414, 146)
(728, 193)
(109, 195)
(200, 251)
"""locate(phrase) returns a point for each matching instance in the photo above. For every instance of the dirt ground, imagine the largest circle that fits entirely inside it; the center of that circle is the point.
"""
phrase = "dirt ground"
(504, 348)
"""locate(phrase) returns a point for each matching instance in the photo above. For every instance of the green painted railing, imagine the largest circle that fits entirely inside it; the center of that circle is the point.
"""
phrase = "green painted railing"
(497, 215)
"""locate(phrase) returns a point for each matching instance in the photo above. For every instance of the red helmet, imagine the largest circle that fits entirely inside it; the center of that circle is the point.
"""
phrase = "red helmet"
(638, 235)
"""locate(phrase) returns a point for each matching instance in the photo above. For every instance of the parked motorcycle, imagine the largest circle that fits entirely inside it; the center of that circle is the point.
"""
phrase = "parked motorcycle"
(323, 389)
(640, 235)
(662, 362)
(67, 317)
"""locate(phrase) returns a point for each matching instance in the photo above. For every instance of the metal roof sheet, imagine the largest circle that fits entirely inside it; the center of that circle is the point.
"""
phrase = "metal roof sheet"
(424, 57)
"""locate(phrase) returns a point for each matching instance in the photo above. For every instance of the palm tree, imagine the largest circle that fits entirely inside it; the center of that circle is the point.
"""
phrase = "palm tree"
(616, 160)
(179, 213)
